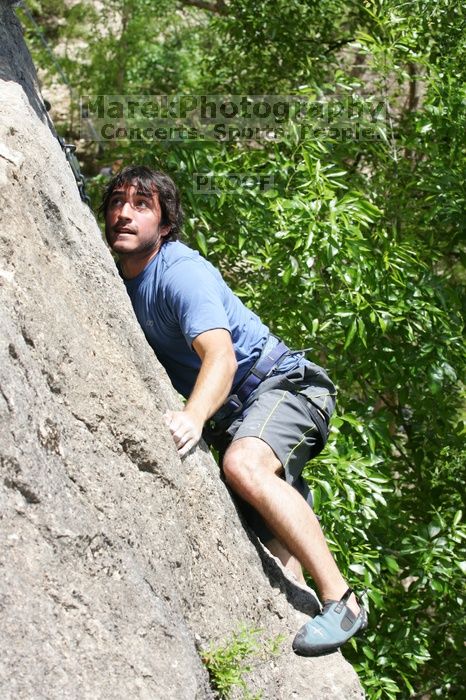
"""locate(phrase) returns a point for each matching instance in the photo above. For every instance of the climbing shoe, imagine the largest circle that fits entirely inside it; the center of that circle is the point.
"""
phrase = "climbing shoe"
(330, 629)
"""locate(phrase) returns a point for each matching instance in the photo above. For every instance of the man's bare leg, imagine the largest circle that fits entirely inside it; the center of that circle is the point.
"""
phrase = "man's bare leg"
(251, 469)
(290, 562)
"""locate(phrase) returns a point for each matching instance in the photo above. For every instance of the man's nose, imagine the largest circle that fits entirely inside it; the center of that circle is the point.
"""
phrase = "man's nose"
(125, 211)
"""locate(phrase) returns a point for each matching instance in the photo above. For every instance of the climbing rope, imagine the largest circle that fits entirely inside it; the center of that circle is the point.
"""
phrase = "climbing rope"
(69, 149)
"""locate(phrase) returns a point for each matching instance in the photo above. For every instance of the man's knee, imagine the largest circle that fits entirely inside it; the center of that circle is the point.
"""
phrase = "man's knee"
(239, 470)
(245, 465)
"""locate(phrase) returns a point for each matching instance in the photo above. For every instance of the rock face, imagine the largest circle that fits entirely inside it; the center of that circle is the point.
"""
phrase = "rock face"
(118, 562)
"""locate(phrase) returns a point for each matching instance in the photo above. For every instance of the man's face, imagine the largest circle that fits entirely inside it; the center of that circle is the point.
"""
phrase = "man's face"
(132, 223)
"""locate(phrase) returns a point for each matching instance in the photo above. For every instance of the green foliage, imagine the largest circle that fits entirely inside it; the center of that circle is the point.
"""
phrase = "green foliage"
(264, 51)
(229, 663)
(356, 250)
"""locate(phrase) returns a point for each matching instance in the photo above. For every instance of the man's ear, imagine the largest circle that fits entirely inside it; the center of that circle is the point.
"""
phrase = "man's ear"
(165, 230)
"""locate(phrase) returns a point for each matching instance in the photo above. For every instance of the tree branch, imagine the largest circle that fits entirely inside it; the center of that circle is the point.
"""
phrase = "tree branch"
(337, 45)
(219, 7)
(413, 98)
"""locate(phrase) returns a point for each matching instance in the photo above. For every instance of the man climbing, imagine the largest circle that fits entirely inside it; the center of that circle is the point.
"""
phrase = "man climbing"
(265, 407)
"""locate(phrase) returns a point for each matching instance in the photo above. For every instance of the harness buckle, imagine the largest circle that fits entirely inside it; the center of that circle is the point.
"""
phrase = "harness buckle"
(234, 403)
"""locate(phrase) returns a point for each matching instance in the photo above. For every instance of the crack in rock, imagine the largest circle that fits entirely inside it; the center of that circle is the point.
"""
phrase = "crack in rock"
(28, 494)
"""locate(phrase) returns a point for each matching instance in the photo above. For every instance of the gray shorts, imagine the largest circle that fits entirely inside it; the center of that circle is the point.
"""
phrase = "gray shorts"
(279, 413)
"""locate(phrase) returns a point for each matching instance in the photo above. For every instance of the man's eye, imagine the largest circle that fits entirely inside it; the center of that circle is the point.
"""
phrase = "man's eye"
(142, 204)
(116, 202)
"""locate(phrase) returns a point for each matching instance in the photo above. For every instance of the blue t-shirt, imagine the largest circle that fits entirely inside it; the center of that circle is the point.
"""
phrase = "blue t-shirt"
(180, 295)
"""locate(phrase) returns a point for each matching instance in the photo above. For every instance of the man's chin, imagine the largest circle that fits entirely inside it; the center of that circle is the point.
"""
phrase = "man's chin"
(122, 248)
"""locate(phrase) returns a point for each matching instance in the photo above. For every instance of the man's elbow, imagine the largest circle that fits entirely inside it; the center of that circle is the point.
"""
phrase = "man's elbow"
(232, 365)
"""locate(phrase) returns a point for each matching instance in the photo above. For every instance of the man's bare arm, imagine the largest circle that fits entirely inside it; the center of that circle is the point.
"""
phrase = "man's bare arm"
(213, 384)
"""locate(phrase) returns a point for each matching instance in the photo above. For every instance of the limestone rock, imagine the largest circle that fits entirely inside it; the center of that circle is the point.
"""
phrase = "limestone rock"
(119, 562)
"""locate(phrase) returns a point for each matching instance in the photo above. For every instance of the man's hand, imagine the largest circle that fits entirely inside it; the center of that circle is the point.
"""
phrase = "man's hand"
(185, 429)
(213, 384)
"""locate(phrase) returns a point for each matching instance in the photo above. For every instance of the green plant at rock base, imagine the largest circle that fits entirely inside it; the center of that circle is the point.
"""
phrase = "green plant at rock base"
(229, 663)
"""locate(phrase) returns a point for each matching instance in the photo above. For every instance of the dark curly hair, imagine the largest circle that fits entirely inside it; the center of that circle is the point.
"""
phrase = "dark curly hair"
(150, 182)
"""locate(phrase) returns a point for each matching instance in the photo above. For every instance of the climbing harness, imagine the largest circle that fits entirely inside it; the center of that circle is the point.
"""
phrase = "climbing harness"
(266, 362)
(272, 354)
